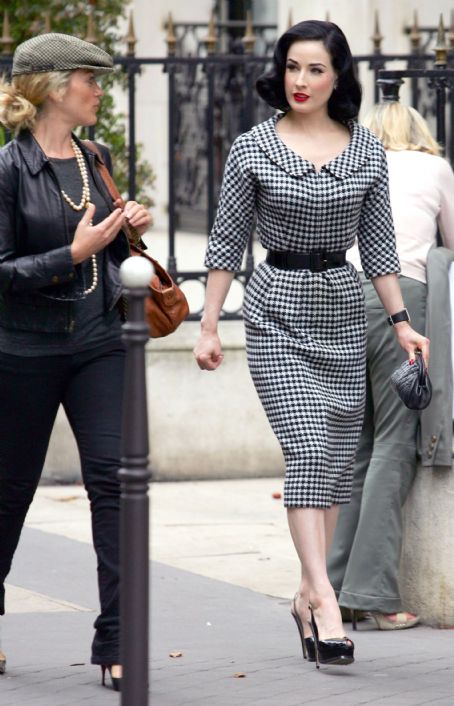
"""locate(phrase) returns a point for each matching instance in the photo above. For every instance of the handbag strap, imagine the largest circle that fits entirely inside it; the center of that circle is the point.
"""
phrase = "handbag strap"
(112, 188)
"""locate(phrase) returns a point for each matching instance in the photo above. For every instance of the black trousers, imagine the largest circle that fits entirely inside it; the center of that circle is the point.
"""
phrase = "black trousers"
(89, 385)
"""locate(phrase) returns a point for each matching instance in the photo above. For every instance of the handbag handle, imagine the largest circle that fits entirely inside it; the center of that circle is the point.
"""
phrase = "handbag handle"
(112, 188)
(421, 370)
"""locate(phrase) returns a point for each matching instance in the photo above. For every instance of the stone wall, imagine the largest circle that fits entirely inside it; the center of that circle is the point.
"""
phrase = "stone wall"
(427, 568)
(210, 425)
(202, 424)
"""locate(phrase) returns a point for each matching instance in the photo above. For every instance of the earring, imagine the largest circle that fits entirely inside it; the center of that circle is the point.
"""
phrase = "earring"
(335, 86)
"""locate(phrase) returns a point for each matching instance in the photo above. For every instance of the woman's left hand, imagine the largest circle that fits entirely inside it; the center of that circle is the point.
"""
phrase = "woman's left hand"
(138, 216)
(411, 341)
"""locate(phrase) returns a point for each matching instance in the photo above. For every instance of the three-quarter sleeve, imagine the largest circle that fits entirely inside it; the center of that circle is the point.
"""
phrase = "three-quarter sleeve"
(235, 214)
(376, 236)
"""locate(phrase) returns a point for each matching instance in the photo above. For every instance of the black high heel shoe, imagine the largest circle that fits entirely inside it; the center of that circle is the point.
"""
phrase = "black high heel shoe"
(116, 681)
(307, 643)
(337, 650)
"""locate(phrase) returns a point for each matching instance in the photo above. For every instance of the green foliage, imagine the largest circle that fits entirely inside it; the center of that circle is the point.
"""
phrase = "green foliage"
(28, 18)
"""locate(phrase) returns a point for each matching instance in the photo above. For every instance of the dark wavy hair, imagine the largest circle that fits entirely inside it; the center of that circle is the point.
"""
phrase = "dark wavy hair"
(345, 100)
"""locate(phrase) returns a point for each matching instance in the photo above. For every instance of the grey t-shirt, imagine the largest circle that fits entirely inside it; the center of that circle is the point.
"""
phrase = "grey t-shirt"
(93, 326)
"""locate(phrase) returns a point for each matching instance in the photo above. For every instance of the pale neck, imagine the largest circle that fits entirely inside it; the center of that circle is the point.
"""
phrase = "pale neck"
(54, 138)
(312, 124)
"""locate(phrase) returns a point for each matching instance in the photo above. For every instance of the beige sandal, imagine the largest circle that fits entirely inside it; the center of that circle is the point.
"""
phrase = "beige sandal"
(2, 663)
(402, 621)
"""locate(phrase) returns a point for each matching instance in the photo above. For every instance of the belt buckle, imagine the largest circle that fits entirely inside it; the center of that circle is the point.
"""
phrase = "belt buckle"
(318, 261)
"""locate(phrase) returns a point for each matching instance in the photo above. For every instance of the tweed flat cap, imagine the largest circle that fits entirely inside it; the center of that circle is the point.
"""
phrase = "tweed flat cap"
(59, 52)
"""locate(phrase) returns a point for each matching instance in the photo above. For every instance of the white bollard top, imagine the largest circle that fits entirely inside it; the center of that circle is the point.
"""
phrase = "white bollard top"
(136, 272)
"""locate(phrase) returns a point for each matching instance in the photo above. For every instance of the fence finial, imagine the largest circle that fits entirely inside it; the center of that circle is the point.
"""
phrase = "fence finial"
(7, 41)
(91, 29)
(415, 34)
(451, 31)
(441, 50)
(171, 37)
(249, 36)
(290, 19)
(211, 39)
(131, 38)
(377, 37)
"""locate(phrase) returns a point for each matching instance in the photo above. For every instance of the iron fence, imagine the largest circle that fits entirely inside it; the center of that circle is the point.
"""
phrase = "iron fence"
(211, 99)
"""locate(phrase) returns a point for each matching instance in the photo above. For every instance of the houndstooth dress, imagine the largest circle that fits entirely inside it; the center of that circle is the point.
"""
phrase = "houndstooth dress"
(306, 331)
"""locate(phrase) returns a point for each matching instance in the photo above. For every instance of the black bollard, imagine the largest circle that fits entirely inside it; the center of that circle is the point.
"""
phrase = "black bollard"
(390, 89)
(134, 477)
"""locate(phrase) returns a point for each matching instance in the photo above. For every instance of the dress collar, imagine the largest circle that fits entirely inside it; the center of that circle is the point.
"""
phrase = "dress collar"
(350, 160)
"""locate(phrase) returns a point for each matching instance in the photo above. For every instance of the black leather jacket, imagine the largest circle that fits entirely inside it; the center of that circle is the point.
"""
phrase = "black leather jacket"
(38, 280)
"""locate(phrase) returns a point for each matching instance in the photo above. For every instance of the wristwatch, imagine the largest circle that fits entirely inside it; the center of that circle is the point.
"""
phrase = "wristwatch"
(400, 316)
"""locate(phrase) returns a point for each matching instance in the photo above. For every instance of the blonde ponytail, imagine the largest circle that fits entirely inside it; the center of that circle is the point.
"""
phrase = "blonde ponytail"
(16, 112)
(400, 127)
(22, 99)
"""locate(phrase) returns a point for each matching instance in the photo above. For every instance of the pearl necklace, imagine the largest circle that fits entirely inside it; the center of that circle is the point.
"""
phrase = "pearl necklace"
(84, 201)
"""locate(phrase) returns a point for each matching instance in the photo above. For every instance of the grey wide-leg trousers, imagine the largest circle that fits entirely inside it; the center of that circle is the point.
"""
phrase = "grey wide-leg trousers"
(363, 564)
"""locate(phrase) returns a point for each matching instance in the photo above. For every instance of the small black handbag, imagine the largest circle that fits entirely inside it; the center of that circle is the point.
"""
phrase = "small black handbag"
(412, 384)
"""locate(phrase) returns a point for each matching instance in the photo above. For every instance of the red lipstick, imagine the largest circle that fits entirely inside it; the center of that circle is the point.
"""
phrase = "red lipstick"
(300, 97)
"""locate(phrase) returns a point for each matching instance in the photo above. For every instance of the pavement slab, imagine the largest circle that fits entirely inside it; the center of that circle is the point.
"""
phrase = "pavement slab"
(222, 629)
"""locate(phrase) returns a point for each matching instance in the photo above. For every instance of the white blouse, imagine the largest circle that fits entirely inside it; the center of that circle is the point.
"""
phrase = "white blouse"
(422, 197)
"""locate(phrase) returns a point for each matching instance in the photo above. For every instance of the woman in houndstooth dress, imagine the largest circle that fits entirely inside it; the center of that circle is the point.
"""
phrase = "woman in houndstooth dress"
(315, 180)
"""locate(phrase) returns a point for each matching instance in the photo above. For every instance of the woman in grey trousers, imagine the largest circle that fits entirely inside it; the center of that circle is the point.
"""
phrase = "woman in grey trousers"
(363, 564)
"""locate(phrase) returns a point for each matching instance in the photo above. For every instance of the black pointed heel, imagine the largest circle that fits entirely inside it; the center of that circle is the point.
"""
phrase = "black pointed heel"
(353, 616)
(116, 681)
(307, 643)
(332, 651)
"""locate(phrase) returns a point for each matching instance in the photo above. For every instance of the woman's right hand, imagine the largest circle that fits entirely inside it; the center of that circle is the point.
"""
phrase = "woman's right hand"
(89, 239)
(208, 351)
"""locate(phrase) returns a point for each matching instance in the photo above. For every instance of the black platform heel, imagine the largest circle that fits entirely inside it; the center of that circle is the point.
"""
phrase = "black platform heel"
(332, 651)
(307, 643)
(116, 681)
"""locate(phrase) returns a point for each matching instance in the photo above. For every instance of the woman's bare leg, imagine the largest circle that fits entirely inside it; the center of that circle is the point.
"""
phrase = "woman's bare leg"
(312, 531)
(331, 516)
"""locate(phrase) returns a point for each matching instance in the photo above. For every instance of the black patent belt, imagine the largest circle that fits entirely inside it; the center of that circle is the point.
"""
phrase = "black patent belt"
(314, 261)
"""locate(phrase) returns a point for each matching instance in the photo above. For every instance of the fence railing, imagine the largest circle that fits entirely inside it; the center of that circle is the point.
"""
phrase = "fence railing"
(217, 91)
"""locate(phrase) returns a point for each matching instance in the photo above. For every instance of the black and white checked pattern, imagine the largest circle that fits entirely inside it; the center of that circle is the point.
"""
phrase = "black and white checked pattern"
(305, 331)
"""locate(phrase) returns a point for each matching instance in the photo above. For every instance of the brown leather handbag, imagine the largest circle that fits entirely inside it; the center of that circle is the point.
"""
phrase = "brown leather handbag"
(166, 307)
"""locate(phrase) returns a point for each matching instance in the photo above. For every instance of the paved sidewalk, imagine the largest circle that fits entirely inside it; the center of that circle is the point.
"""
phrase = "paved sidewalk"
(222, 628)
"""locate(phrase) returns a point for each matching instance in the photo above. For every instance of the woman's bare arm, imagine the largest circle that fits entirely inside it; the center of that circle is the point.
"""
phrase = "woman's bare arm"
(208, 349)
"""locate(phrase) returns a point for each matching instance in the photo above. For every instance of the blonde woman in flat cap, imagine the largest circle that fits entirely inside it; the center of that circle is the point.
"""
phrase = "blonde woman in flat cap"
(61, 246)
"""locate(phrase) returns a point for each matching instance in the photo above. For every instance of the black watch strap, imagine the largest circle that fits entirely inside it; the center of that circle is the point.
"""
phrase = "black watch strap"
(400, 316)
